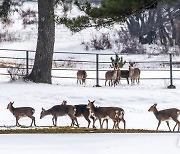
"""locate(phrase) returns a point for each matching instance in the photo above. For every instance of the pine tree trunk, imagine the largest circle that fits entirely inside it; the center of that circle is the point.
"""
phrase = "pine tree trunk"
(41, 72)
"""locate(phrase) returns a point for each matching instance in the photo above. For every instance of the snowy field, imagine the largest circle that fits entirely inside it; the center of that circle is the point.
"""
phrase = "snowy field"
(135, 100)
(90, 143)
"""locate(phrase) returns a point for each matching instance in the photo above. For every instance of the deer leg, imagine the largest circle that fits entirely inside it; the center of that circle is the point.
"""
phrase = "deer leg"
(177, 123)
(115, 124)
(54, 120)
(106, 123)
(87, 118)
(33, 120)
(124, 123)
(77, 124)
(94, 120)
(158, 124)
(168, 126)
(175, 127)
(127, 80)
(17, 123)
(100, 123)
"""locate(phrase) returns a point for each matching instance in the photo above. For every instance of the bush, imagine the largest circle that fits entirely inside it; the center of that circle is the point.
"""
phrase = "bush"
(16, 72)
(101, 43)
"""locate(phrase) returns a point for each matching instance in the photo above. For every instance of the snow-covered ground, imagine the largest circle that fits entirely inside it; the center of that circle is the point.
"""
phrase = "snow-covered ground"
(135, 100)
(90, 143)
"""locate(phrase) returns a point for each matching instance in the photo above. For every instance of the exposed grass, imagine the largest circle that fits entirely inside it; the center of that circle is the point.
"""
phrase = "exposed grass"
(45, 130)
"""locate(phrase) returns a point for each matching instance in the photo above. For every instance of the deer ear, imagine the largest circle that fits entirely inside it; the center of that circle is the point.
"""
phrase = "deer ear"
(93, 101)
(43, 109)
(155, 104)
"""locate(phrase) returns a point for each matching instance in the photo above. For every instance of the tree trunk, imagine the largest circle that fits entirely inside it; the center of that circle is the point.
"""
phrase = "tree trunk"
(41, 72)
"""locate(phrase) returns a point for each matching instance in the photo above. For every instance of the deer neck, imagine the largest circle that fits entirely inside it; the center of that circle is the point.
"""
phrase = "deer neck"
(11, 109)
(131, 71)
(115, 73)
(92, 108)
(155, 111)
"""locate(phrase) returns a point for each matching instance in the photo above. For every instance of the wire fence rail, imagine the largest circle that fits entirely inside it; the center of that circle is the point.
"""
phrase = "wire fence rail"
(91, 62)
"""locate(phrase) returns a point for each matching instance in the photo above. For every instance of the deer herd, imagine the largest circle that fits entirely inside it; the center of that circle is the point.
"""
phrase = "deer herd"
(114, 76)
(92, 113)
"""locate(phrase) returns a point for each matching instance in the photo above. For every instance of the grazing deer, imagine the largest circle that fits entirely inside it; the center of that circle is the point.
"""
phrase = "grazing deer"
(134, 73)
(166, 115)
(60, 110)
(81, 76)
(105, 113)
(22, 112)
(112, 76)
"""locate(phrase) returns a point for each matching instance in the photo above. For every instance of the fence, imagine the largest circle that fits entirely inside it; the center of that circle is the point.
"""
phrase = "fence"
(97, 64)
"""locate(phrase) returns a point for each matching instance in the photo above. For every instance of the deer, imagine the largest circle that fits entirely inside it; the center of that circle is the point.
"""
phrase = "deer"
(81, 76)
(60, 110)
(112, 76)
(166, 115)
(134, 73)
(125, 74)
(82, 110)
(116, 114)
(22, 112)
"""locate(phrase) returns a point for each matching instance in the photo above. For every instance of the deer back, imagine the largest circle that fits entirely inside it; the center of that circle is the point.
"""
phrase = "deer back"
(20, 111)
(124, 73)
(166, 114)
(81, 109)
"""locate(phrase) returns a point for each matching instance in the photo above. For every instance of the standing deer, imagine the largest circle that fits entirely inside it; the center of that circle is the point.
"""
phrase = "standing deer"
(22, 112)
(105, 113)
(134, 73)
(166, 115)
(125, 74)
(60, 110)
(112, 76)
(81, 76)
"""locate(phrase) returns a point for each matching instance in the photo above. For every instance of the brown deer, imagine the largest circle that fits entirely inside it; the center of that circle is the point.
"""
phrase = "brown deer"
(166, 115)
(112, 76)
(60, 110)
(134, 73)
(81, 76)
(124, 74)
(105, 113)
(21, 112)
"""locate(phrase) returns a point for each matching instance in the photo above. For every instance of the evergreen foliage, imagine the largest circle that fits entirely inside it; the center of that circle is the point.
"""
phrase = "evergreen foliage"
(5, 9)
(117, 61)
(108, 13)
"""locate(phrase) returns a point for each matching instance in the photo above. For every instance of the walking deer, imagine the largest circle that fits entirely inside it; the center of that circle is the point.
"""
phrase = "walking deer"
(116, 114)
(134, 73)
(81, 76)
(166, 115)
(60, 110)
(82, 110)
(21, 112)
(112, 76)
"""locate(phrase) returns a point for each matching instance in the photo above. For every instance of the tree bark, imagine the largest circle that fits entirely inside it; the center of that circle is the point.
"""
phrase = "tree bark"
(41, 72)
